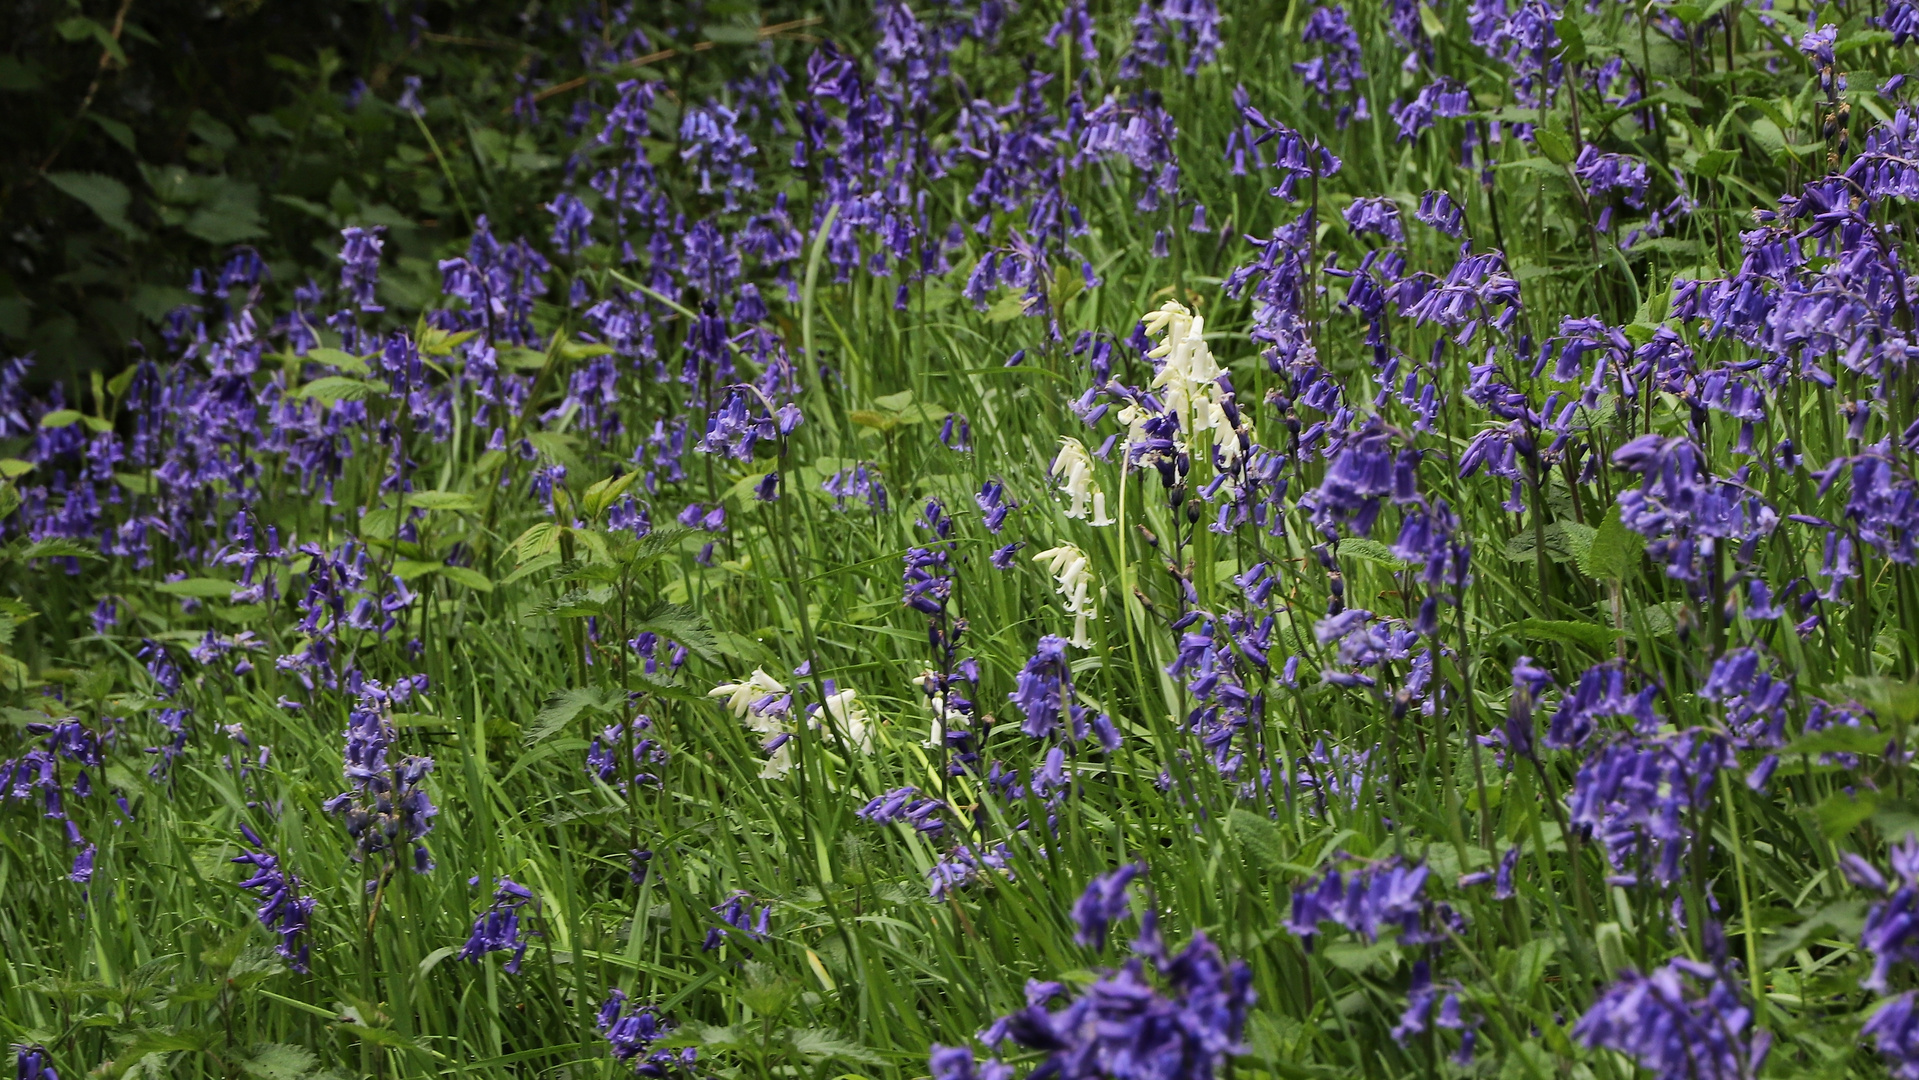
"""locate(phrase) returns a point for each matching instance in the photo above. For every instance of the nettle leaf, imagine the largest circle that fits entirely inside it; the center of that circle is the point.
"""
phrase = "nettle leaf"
(1891, 700)
(337, 358)
(819, 1044)
(467, 576)
(1615, 550)
(1259, 836)
(1592, 637)
(278, 1061)
(198, 588)
(603, 494)
(1372, 551)
(336, 388)
(57, 548)
(440, 500)
(106, 197)
(681, 623)
(1840, 740)
(561, 709)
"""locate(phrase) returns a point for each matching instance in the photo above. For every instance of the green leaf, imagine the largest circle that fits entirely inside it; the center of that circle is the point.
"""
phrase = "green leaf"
(200, 588)
(414, 569)
(14, 467)
(1592, 637)
(681, 623)
(561, 708)
(604, 493)
(58, 548)
(1840, 740)
(1839, 814)
(60, 418)
(817, 1045)
(1891, 700)
(1259, 836)
(1361, 959)
(334, 388)
(541, 538)
(1529, 965)
(440, 500)
(1359, 547)
(1841, 919)
(1615, 550)
(278, 1061)
(337, 358)
(106, 197)
(1571, 39)
(117, 131)
(462, 575)
(9, 498)
(1555, 147)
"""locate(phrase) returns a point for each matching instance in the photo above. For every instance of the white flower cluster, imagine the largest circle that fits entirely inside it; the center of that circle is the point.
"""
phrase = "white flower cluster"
(760, 702)
(1074, 578)
(1074, 467)
(1187, 383)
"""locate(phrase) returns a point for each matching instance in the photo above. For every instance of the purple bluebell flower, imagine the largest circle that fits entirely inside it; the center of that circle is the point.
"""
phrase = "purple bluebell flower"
(964, 865)
(571, 219)
(1894, 1029)
(1104, 902)
(498, 927)
(631, 1034)
(1043, 688)
(32, 1062)
(738, 918)
(282, 909)
(360, 265)
(1685, 1021)
(1337, 66)
(1367, 899)
(1437, 209)
(905, 805)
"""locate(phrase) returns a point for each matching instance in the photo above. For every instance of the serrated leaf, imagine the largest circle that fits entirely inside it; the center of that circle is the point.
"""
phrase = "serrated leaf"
(58, 548)
(532, 566)
(541, 538)
(414, 569)
(337, 358)
(1359, 547)
(1841, 919)
(1840, 813)
(1259, 836)
(200, 588)
(604, 493)
(1891, 700)
(106, 197)
(1615, 550)
(336, 388)
(818, 1044)
(1592, 637)
(467, 576)
(560, 710)
(278, 1061)
(681, 623)
(1555, 147)
(440, 500)
(1840, 740)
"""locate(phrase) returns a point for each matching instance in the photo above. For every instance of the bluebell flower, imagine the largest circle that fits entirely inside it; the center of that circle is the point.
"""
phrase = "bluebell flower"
(1894, 1029)
(631, 1033)
(905, 805)
(282, 909)
(498, 927)
(1685, 1021)
(738, 918)
(1104, 901)
(32, 1062)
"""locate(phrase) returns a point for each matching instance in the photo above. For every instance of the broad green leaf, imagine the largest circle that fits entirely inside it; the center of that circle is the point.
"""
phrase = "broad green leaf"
(1615, 550)
(1592, 637)
(604, 493)
(200, 588)
(60, 418)
(58, 548)
(1359, 547)
(1259, 836)
(1840, 740)
(472, 579)
(334, 388)
(1891, 700)
(440, 500)
(106, 197)
(1840, 813)
(1555, 147)
(817, 1045)
(278, 1061)
(337, 358)
(562, 708)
